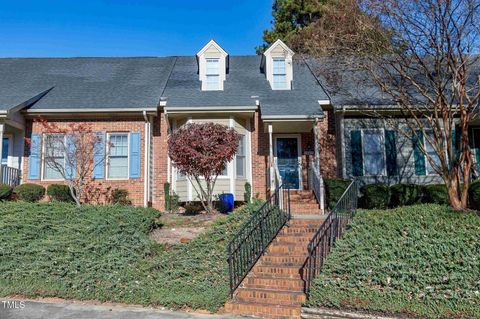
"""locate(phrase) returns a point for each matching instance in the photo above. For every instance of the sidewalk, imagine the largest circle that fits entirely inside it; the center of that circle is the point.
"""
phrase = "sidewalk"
(43, 310)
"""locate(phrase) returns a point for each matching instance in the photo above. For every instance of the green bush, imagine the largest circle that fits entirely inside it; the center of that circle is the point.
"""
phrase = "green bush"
(334, 189)
(406, 194)
(375, 196)
(247, 195)
(474, 194)
(193, 208)
(59, 193)
(419, 260)
(120, 196)
(5, 191)
(30, 192)
(104, 253)
(436, 194)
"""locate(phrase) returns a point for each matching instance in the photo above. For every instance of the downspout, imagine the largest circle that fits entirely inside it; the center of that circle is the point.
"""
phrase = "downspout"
(146, 165)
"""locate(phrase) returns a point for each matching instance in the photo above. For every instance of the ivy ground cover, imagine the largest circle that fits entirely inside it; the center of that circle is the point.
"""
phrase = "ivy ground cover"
(104, 253)
(422, 261)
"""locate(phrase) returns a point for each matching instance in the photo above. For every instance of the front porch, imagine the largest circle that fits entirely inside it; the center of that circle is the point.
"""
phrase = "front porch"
(12, 135)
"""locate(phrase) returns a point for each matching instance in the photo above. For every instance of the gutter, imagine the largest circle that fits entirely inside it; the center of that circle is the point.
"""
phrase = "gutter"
(212, 109)
(93, 110)
(283, 118)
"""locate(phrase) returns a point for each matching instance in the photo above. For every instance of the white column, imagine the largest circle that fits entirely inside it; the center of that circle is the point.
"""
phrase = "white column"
(2, 128)
(271, 161)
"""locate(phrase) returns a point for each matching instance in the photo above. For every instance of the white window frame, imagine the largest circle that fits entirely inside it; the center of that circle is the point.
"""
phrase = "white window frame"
(44, 137)
(274, 87)
(244, 175)
(382, 135)
(427, 162)
(217, 75)
(107, 159)
(473, 144)
(299, 150)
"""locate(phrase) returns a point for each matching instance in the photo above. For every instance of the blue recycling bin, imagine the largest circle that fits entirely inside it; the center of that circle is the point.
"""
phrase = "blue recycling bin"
(227, 202)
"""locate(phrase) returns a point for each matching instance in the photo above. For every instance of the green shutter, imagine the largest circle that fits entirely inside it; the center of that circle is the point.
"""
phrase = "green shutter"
(391, 153)
(418, 155)
(357, 158)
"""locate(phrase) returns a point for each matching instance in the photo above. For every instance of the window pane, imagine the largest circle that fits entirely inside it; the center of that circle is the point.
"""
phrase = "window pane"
(118, 167)
(212, 66)
(279, 66)
(373, 151)
(279, 81)
(213, 82)
(5, 151)
(53, 168)
(431, 152)
(241, 158)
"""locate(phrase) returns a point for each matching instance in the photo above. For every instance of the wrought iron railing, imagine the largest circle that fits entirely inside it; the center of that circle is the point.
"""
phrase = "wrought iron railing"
(259, 230)
(330, 230)
(10, 175)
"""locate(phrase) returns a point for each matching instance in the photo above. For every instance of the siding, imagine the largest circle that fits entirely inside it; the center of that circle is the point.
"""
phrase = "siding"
(405, 161)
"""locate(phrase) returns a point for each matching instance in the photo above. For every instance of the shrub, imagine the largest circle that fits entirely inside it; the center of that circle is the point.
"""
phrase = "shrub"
(120, 196)
(406, 194)
(59, 193)
(5, 191)
(436, 194)
(193, 208)
(30, 192)
(375, 196)
(474, 194)
(166, 191)
(247, 196)
(334, 189)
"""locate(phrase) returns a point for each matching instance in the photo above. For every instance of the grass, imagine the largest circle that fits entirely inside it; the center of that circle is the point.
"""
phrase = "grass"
(421, 260)
(104, 253)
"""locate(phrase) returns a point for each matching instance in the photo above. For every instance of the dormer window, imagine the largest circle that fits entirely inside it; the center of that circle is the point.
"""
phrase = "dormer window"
(278, 66)
(212, 74)
(279, 74)
(212, 67)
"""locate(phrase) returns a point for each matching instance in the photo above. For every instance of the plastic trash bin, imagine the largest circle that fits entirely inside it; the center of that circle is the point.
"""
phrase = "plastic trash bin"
(226, 202)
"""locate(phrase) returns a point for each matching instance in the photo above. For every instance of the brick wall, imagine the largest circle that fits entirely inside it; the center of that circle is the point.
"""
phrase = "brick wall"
(133, 186)
(160, 161)
(260, 150)
(327, 145)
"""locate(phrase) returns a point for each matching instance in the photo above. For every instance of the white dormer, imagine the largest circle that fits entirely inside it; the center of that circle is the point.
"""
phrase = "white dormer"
(212, 66)
(279, 66)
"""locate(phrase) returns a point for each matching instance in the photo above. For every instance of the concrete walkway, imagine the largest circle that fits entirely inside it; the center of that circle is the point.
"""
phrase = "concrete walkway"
(43, 310)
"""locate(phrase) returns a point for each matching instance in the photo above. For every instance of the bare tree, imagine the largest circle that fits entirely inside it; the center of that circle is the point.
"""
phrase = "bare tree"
(72, 153)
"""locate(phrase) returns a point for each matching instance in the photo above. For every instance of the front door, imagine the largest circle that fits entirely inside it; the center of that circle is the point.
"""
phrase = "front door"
(287, 151)
(6, 144)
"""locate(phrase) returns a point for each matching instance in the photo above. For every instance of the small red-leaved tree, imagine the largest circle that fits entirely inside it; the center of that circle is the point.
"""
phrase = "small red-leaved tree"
(72, 152)
(201, 151)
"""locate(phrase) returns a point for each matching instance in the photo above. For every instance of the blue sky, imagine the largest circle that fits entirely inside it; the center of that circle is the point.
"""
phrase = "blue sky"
(61, 28)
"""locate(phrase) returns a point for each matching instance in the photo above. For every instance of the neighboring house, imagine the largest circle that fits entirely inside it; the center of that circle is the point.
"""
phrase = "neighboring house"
(294, 127)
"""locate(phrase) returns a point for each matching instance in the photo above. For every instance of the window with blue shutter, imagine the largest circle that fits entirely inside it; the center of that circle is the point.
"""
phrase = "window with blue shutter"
(134, 155)
(70, 164)
(391, 152)
(419, 158)
(99, 156)
(34, 158)
(356, 152)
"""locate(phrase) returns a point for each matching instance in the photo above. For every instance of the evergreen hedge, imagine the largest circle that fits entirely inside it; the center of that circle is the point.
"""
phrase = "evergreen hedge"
(30, 192)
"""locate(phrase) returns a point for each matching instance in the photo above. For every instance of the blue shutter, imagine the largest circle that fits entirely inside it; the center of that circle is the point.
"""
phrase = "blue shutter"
(418, 155)
(70, 167)
(134, 155)
(357, 156)
(391, 153)
(99, 156)
(34, 159)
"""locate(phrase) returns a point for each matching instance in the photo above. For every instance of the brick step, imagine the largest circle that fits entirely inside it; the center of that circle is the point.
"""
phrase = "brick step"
(306, 222)
(303, 206)
(275, 260)
(287, 249)
(298, 230)
(280, 271)
(266, 296)
(302, 199)
(280, 284)
(263, 310)
(303, 212)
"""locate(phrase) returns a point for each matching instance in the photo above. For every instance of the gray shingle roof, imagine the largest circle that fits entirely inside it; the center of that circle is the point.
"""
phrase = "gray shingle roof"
(83, 83)
(92, 83)
(243, 81)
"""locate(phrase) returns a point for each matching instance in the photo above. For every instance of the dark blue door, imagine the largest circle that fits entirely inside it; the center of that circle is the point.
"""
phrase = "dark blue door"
(287, 161)
(6, 142)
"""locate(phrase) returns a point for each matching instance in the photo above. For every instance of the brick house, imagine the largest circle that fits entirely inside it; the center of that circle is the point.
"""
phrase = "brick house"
(273, 101)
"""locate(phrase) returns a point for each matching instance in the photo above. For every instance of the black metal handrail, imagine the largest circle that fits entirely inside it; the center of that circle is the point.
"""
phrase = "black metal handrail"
(250, 242)
(326, 235)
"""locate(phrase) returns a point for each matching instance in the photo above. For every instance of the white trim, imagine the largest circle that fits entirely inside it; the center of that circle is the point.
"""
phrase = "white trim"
(146, 164)
(93, 110)
(284, 118)
(382, 136)
(232, 164)
(299, 147)
(108, 157)
(249, 155)
(223, 109)
(209, 44)
(42, 178)
(474, 148)
(426, 161)
(324, 102)
(172, 169)
(282, 44)
(189, 181)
